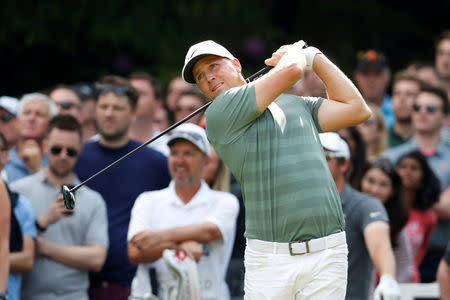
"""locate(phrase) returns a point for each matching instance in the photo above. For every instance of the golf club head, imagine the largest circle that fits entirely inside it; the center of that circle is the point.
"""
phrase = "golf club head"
(69, 198)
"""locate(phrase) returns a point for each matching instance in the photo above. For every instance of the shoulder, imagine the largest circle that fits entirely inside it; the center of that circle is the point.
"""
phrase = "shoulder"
(394, 153)
(24, 182)
(160, 197)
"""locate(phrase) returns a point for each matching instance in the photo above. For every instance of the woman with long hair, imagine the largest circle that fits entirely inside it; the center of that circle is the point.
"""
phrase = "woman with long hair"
(381, 180)
(421, 190)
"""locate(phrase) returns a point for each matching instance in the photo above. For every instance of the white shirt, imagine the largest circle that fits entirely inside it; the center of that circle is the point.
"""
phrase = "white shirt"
(163, 209)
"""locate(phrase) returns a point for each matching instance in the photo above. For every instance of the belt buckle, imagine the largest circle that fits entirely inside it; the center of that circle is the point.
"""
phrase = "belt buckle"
(292, 253)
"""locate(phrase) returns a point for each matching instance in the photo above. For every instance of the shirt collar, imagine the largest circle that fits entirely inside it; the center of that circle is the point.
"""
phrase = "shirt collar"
(198, 198)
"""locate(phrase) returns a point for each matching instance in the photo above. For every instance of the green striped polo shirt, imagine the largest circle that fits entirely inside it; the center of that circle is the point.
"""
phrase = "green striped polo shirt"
(276, 156)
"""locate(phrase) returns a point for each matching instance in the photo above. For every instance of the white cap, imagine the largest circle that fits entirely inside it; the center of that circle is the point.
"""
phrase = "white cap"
(9, 104)
(192, 133)
(334, 143)
(198, 51)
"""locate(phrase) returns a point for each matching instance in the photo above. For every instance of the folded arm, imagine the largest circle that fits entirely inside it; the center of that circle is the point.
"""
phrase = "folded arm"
(23, 261)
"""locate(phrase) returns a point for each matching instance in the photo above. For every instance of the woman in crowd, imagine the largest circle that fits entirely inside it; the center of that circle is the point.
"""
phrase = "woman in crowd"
(381, 180)
(357, 155)
(374, 134)
(420, 190)
(216, 173)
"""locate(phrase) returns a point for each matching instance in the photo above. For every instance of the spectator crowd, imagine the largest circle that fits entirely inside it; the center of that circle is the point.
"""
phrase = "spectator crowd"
(176, 201)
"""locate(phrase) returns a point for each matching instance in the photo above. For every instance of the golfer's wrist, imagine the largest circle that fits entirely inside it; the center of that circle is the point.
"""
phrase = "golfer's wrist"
(310, 54)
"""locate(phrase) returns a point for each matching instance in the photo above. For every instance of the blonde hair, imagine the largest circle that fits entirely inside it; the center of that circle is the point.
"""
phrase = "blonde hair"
(222, 182)
(383, 142)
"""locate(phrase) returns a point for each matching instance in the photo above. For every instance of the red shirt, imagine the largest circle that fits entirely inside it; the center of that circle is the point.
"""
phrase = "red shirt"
(418, 229)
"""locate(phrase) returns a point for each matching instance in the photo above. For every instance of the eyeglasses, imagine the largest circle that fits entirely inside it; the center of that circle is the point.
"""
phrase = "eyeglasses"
(71, 152)
(6, 118)
(67, 105)
(429, 108)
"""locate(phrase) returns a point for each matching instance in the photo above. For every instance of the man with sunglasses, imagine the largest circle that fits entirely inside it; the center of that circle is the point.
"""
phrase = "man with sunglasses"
(67, 99)
(145, 171)
(70, 243)
(429, 110)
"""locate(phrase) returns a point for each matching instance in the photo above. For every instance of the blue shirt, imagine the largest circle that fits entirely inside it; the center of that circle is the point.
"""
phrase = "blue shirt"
(15, 167)
(145, 170)
(25, 217)
(386, 110)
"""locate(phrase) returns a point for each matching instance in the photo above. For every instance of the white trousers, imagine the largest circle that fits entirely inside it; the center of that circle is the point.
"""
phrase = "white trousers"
(318, 275)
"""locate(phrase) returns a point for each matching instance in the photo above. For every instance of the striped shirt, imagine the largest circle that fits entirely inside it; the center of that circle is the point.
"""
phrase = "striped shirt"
(276, 156)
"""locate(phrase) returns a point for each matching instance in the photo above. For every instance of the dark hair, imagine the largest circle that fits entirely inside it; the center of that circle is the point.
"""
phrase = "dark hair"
(66, 87)
(157, 89)
(357, 159)
(428, 192)
(395, 204)
(65, 122)
(3, 142)
(426, 88)
(443, 35)
(116, 84)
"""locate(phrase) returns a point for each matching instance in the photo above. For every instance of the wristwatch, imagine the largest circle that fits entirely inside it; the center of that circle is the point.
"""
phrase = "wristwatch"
(40, 228)
(3, 296)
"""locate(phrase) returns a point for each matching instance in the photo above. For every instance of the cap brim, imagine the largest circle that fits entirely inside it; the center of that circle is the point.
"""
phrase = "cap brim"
(187, 69)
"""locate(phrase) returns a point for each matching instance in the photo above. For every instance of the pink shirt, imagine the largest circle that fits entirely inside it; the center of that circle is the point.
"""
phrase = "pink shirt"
(418, 229)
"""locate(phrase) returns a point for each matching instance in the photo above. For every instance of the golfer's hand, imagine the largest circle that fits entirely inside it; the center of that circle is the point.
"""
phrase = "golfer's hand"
(31, 155)
(56, 212)
(147, 239)
(193, 249)
(387, 288)
(277, 55)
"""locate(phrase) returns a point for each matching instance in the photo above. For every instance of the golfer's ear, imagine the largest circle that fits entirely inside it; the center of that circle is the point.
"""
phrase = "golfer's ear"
(237, 64)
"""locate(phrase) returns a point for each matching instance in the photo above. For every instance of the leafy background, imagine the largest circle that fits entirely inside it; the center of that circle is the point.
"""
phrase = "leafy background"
(45, 42)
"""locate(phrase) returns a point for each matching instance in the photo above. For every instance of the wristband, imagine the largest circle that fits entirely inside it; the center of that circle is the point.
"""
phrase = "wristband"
(39, 227)
(310, 53)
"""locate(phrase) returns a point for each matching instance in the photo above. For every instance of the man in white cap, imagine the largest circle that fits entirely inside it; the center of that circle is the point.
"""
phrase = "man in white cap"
(270, 142)
(8, 121)
(366, 228)
(187, 216)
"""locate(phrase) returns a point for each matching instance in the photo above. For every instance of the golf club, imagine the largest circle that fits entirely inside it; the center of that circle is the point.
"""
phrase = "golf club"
(69, 198)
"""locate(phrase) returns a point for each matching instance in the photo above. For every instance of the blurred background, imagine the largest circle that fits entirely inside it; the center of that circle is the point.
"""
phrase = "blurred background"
(48, 42)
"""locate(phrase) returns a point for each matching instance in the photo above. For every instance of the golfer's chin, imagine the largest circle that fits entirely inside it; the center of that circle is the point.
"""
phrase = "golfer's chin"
(216, 93)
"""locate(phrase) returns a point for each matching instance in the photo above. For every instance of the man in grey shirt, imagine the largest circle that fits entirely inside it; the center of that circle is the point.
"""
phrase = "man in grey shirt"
(70, 243)
(366, 228)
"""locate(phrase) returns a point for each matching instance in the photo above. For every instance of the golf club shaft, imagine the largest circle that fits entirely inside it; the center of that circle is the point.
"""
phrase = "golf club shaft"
(249, 79)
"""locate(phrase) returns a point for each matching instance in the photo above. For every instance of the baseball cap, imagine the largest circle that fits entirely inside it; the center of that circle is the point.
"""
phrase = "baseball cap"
(371, 58)
(334, 143)
(192, 133)
(9, 104)
(198, 51)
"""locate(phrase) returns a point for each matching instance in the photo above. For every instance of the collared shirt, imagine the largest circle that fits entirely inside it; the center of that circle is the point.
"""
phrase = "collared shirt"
(87, 226)
(163, 209)
(15, 168)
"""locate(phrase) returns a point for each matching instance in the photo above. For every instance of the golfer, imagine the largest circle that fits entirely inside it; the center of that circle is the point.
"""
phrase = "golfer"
(296, 246)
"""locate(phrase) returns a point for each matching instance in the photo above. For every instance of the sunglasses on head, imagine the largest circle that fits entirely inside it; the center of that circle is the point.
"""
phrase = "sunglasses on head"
(429, 108)
(67, 105)
(6, 118)
(119, 90)
(71, 152)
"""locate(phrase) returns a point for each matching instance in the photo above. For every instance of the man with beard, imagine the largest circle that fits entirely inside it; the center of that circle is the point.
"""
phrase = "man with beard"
(146, 171)
(69, 243)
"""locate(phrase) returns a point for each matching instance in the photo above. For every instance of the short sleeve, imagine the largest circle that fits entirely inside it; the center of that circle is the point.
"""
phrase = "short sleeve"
(25, 216)
(97, 232)
(139, 219)
(314, 103)
(371, 210)
(225, 214)
(231, 113)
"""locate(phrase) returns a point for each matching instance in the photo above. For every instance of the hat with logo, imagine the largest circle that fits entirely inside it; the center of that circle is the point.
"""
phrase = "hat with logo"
(192, 133)
(198, 51)
(371, 58)
(9, 104)
(335, 144)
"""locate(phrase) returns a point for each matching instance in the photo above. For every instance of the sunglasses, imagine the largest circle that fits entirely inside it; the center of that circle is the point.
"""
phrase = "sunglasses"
(71, 152)
(429, 108)
(6, 118)
(67, 105)
(119, 90)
